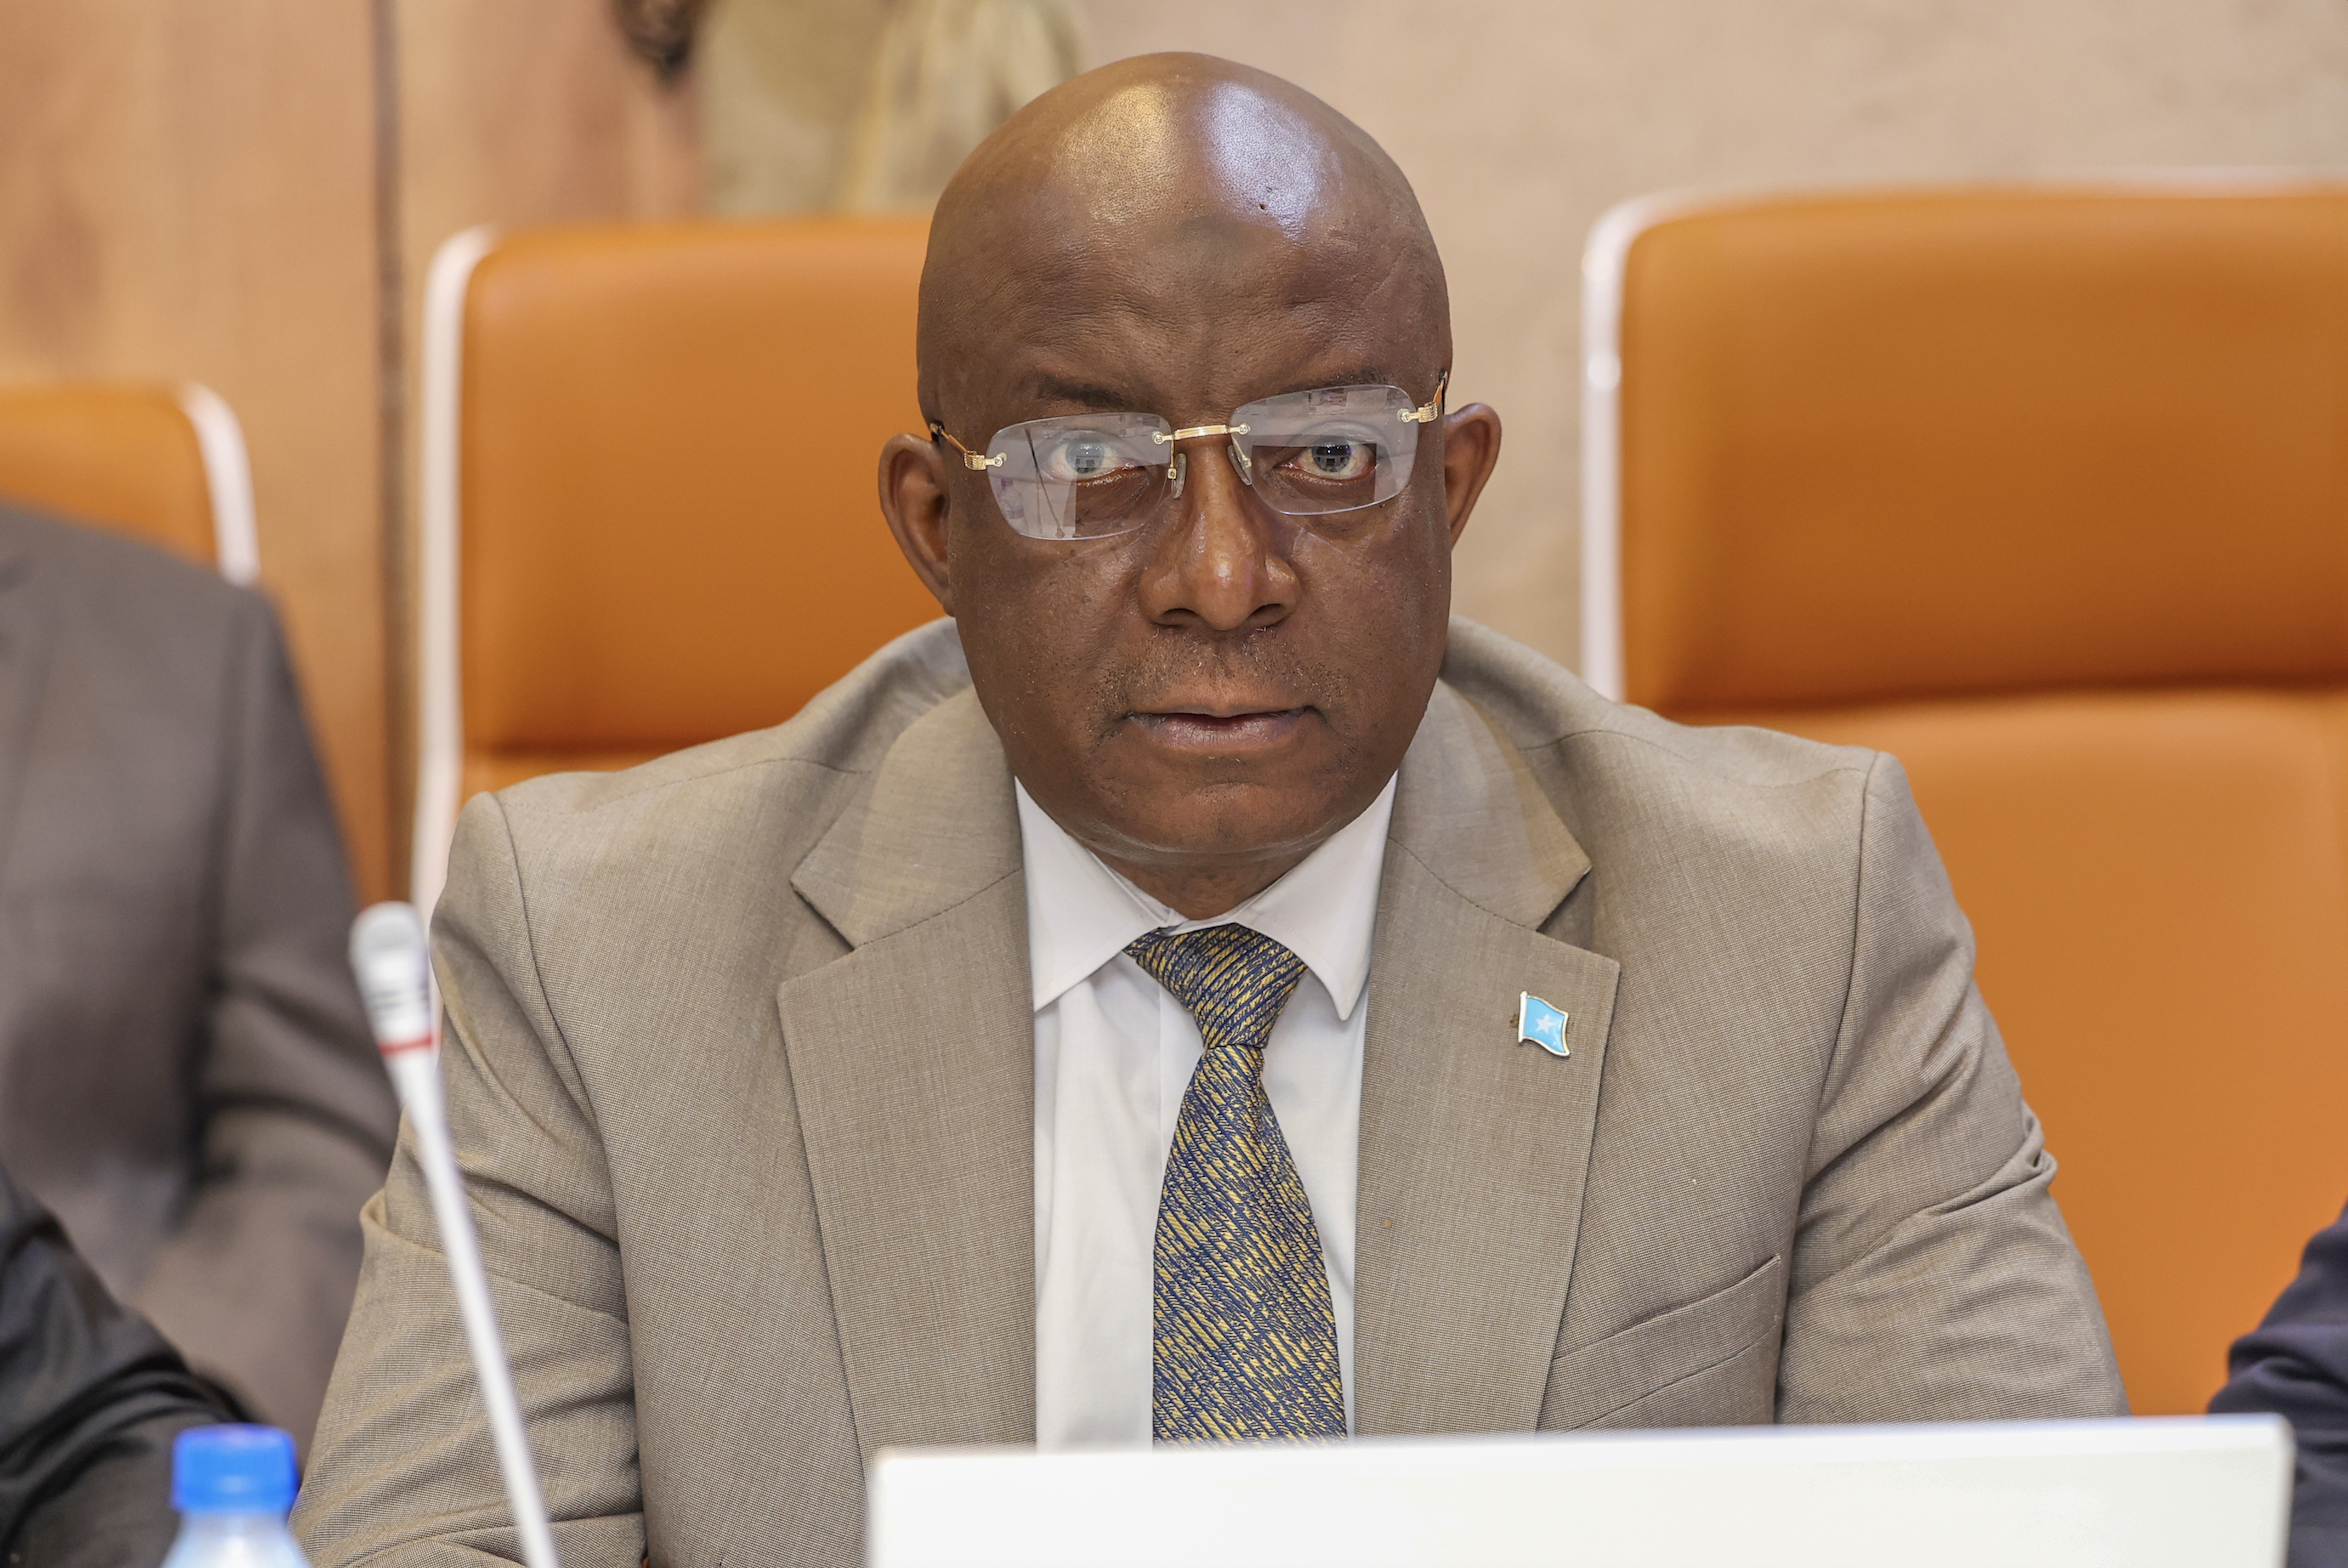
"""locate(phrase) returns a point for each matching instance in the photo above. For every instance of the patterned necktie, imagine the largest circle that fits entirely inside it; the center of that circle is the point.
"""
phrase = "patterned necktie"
(1246, 1341)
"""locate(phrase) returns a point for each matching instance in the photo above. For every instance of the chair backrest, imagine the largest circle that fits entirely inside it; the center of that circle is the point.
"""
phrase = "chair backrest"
(162, 464)
(650, 505)
(2046, 491)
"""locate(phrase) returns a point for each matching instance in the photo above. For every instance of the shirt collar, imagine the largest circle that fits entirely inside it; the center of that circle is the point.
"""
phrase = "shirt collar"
(1081, 914)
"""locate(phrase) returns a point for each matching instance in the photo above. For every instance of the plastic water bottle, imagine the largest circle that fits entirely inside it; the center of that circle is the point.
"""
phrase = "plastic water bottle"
(233, 1486)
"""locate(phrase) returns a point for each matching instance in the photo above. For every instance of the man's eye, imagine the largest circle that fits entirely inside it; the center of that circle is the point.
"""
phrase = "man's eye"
(1337, 459)
(1073, 459)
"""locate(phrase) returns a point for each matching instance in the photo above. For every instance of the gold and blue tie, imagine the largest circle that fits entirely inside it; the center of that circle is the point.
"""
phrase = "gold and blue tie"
(1246, 1340)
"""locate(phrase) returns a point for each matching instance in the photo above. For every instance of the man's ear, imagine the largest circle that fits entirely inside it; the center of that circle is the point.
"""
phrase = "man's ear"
(913, 498)
(1471, 445)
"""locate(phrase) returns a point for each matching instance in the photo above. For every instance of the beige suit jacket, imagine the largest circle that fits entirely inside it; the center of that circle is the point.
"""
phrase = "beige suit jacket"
(741, 1065)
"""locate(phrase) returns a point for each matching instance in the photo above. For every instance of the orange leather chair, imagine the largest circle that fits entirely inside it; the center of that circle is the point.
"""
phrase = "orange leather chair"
(649, 497)
(162, 464)
(2045, 491)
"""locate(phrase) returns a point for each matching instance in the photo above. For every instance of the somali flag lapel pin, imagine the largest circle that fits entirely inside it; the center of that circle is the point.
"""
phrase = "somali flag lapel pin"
(1540, 1023)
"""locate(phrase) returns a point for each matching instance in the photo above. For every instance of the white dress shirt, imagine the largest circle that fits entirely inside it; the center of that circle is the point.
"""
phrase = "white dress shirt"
(1114, 1052)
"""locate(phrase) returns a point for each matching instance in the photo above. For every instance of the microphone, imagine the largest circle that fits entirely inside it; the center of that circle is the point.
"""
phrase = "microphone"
(393, 964)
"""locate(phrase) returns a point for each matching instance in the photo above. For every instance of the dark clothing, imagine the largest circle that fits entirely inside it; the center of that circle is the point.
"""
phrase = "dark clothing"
(186, 1077)
(90, 1399)
(2296, 1365)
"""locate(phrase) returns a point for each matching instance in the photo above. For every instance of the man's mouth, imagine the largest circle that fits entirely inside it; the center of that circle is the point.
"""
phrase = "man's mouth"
(1223, 732)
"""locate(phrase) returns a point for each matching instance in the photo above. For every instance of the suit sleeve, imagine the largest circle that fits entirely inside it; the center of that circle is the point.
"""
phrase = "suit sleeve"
(2295, 1364)
(1933, 1276)
(90, 1399)
(295, 1116)
(403, 1463)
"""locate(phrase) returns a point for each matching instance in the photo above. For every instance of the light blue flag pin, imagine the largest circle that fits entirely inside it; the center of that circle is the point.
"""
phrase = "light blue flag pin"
(1540, 1023)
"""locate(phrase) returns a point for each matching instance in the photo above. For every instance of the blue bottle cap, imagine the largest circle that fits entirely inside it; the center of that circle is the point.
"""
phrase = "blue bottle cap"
(232, 1470)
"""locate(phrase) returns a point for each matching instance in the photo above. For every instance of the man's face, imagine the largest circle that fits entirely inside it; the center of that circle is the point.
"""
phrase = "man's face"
(1204, 699)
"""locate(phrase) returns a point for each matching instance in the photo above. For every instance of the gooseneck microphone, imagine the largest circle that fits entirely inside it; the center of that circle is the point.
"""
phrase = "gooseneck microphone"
(394, 968)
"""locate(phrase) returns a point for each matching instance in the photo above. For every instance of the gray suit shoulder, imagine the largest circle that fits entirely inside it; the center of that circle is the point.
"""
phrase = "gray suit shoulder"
(844, 730)
(1541, 704)
(723, 824)
(156, 590)
(1708, 807)
(163, 641)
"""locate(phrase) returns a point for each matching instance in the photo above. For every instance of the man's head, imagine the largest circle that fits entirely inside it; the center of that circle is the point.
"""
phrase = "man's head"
(1205, 696)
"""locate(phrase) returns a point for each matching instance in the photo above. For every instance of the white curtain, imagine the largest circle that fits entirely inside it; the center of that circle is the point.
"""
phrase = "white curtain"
(867, 107)
(947, 73)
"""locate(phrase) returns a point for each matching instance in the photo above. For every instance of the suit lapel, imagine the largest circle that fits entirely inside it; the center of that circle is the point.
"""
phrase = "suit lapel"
(26, 630)
(912, 1063)
(1474, 1148)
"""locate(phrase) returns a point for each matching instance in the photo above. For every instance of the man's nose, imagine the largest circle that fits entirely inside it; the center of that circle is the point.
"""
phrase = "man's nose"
(1219, 560)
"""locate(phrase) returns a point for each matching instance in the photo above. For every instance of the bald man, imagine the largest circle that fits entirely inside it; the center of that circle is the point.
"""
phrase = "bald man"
(1200, 990)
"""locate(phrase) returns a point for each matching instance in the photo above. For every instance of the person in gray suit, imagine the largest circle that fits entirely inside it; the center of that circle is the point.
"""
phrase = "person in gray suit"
(1204, 990)
(186, 1077)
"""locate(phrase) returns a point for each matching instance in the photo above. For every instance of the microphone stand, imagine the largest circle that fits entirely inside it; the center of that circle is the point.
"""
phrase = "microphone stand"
(394, 968)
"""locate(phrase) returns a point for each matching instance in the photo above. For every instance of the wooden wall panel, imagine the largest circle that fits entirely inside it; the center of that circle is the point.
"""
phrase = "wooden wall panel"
(193, 191)
(188, 191)
(517, 113)
(529, 112)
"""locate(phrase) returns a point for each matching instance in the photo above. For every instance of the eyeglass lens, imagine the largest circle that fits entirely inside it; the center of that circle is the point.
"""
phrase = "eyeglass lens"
(1088, 476)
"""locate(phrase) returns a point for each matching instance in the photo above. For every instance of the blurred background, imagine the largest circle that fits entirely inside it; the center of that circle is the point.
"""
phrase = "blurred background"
(247, 193)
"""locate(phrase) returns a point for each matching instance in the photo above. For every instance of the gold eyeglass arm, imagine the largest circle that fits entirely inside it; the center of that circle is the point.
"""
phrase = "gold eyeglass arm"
(1432, 408)
(970, 459)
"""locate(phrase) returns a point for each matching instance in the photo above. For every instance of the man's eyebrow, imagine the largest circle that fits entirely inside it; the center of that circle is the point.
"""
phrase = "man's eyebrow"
(1094, 395)
(1084, 394)
(1358, 376)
